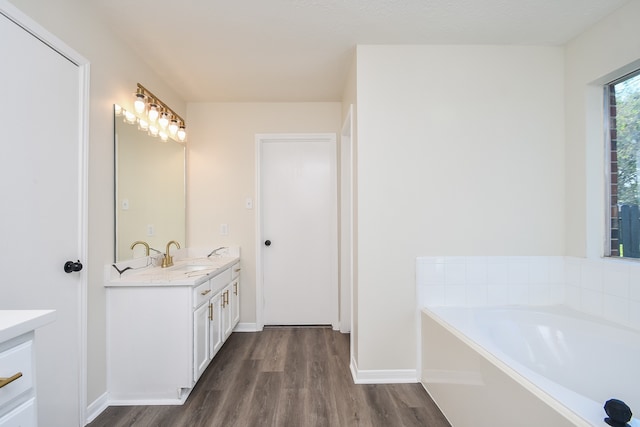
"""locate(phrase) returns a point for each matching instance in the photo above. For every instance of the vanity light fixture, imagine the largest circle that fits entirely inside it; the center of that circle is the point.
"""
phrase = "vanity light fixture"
(151, 109)
(163, 121)
(153, 112)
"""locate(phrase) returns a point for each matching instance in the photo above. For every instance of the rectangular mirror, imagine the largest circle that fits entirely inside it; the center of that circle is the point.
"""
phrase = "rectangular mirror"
(149, 190)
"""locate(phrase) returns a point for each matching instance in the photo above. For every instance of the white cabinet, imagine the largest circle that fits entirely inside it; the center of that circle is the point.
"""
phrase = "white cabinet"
(163, 337)
(235, 295)
(17, 366)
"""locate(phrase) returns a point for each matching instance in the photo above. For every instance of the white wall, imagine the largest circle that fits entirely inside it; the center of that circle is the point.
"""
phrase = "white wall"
(115, 70)
(609, 49)
(221, 172)
(460, 152)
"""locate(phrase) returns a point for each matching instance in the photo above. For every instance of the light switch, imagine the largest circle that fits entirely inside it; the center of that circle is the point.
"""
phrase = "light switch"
(248, 203)
(151, 230)
(224, 229)
(125, 204)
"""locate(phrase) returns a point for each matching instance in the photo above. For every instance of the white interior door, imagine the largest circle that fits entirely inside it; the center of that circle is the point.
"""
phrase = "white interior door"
(42, 221)
(298, 208)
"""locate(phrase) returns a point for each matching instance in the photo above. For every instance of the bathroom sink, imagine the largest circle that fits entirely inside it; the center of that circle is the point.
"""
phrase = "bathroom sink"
(191, 267)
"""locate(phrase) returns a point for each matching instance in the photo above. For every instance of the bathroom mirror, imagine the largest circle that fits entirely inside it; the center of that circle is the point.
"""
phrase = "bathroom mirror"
(149, 190)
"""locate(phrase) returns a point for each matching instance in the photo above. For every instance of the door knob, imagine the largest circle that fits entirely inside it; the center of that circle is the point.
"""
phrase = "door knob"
(267, 242)
(71, 266)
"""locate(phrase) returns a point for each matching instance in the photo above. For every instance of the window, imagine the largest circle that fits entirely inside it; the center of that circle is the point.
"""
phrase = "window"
(623, 110)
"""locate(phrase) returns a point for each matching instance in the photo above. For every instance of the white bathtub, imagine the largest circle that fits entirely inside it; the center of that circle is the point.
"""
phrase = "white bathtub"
(526, 366)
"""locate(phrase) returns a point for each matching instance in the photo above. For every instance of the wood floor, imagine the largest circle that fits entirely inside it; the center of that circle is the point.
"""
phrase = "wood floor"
(294, 377)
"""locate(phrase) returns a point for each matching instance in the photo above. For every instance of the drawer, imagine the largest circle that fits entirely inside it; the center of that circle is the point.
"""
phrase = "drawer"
(221, 280)
(23, 416)
(202, 293)
(235, 270)
(16, 360)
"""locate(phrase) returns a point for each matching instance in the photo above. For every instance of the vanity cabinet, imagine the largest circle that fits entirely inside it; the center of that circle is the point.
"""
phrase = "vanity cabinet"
(162, 337)
(17, 365)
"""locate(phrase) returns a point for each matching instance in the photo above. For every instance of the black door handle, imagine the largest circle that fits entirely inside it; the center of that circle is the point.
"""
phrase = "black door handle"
(267, 242)
(71, 266)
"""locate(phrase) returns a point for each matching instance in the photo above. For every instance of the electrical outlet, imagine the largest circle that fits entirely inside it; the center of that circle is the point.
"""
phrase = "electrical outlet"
(151, 230)
(224, 229)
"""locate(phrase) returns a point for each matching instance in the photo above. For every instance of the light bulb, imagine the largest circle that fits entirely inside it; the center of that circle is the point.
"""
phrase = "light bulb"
(163, 121)
(153, 131)
(182, 134)
(173, 127)
(164, 136)
(117, 109)
(153, 112)
(129, 117)
(143, 124)
(139, 103)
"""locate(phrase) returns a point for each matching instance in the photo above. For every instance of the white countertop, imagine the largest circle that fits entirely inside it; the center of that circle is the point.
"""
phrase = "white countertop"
(14, 323)
(177, 275)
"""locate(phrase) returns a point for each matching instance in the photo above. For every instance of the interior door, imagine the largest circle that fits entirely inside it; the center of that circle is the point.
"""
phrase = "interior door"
(299, 230)
(40, 187)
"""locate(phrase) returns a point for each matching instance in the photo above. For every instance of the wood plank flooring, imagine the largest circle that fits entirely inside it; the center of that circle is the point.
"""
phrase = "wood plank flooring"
(295, 377)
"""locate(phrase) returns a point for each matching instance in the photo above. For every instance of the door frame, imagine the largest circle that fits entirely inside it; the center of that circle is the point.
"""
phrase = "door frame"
(346, 223)
(39, 32)
(266, 138)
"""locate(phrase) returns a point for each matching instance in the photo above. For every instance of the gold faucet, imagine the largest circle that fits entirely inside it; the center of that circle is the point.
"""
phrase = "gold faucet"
(167, 260)
(140, 242)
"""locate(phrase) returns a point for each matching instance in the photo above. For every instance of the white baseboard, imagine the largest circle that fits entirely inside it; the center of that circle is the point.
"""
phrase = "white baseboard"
(97, 407)
(247, 327)
(382, 376)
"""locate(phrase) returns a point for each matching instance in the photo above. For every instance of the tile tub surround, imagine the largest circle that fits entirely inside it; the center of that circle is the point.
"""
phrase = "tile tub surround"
(609, 288)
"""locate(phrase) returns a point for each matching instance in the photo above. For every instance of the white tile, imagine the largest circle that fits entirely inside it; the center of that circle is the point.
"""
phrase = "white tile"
(497, 274)
(557, 293)
(572, 272)
(616, 278)
(634, 314)
(591, 301)
(455, 295)
(426, 260)
(540, 294)
(477, 295)
(455, 260)
(519, 294)
(518, 271)
(591, 275)
(497, 259)
(634, 290)
(556, 270)
(539, 270)
(615, 309)
(475, 260)
(434, 295)
(477, 273)
(497, 294)
(430, 274)
(572, 296)
(455, 274)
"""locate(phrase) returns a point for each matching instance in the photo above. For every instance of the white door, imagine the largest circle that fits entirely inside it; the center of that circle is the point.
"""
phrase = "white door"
(42, 221)
(298, 207)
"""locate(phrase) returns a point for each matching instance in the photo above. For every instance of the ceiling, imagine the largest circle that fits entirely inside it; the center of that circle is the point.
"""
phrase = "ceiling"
(301, 50)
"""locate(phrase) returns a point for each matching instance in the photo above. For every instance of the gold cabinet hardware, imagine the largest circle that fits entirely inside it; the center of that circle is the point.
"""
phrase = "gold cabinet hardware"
(211, 311)
(235, 288)
(7, 381)
(222, 299)
(205, 292)
(226, 297)
(237, 270)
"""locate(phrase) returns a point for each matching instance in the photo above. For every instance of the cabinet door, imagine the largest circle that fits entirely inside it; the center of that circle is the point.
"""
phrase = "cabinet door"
(226, 311)
(215, 325)
(235, 303)
(200, 340)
